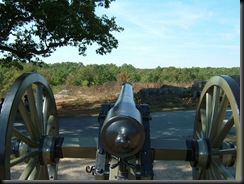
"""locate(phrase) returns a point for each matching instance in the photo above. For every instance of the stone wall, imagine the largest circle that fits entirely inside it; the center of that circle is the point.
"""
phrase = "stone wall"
(174, 94)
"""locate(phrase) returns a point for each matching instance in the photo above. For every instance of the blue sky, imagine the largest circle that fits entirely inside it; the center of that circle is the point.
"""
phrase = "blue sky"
(179, 33)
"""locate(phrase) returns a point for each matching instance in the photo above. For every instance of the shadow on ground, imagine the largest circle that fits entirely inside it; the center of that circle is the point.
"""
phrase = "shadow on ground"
(75, 169)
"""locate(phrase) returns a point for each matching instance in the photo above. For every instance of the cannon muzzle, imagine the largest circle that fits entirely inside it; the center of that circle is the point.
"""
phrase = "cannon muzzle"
(123, 134)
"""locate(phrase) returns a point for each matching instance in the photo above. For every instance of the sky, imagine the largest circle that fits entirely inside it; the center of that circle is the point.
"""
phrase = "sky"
(179, 33)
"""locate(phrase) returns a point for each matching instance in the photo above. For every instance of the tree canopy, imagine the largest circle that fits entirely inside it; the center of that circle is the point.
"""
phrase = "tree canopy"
(69, 74)
(33, 28)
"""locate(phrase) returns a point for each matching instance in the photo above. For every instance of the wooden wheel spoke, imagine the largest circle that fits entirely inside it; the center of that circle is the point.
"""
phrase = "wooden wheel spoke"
(50, 124)
(213, 124)
(29, 168)
(39, 106)
(220, 169)
(199, 135)
(23, 158)
(208, 114)
(23, 138)
(203, 174)
(223, 133)
(211, 174)
(203, 122)
(198, 173)
(43, 174)
(33, 110)
(220, 115)
(214, 174)
(34, 174)
(46, 114)
(27, 121)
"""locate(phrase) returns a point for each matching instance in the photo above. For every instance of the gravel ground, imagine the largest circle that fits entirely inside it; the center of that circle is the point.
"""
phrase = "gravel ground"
(74, 169)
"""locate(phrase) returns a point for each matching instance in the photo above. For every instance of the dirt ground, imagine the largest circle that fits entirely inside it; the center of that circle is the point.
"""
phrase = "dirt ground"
(84, 106)
(74, 169)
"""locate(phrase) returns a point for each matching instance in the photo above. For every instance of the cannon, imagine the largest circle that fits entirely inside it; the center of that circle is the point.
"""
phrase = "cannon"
(123, 148)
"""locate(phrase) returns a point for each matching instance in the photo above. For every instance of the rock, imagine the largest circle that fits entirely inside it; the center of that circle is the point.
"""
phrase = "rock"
(173, 94)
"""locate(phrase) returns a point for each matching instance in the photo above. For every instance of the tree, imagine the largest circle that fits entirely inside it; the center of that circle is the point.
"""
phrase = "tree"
(33, 28)
(122, 77)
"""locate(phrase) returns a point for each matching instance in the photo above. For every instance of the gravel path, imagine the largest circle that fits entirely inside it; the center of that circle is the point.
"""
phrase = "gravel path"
(74, 169)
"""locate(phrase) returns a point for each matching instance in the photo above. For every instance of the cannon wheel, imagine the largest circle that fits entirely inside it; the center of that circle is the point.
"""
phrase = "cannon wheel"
(220, 96)
(23, 129)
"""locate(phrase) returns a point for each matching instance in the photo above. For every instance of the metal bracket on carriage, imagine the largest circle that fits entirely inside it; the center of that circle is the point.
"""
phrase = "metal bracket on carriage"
(123, 161)
(90, 169)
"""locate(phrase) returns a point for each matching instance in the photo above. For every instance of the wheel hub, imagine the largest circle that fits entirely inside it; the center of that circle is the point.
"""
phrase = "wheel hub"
(50, 149)
(201, 153)
(20, 148)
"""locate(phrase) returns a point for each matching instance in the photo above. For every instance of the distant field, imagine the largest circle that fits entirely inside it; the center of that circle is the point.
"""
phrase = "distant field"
(90, 105)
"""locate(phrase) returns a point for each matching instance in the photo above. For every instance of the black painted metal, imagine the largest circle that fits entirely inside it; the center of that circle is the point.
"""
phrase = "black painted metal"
(123, 134)
(100, 163)
(146, 151)
(124, 120)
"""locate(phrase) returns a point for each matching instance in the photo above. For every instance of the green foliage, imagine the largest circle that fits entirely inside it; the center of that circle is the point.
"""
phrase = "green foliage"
(31, 28)
(76, 74)
(7, 77)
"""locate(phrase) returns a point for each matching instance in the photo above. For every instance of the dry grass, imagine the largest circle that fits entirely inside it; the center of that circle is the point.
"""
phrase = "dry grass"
(80, 101)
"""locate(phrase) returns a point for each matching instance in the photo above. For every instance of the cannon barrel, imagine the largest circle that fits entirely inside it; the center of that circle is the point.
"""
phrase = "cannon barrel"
(122, 133)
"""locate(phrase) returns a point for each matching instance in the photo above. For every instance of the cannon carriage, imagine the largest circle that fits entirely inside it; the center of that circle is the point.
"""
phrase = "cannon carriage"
(123, 148)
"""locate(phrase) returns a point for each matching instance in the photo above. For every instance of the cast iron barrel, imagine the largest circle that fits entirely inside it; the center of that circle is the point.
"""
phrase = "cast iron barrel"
(123, 134)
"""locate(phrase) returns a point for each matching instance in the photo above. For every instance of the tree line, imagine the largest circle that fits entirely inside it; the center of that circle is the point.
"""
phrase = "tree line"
(77, 74)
